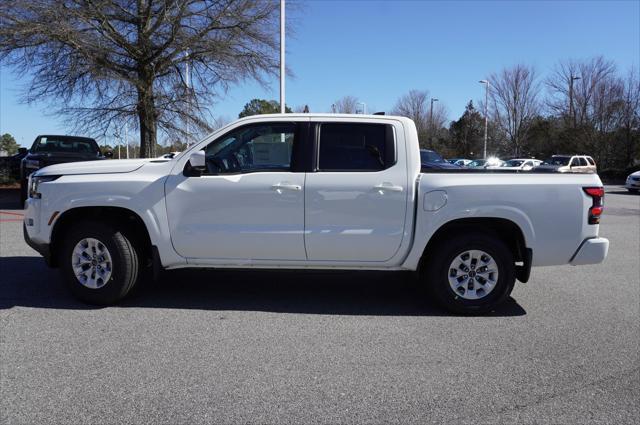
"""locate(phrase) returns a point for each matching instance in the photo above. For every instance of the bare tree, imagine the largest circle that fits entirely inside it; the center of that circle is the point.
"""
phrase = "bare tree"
(572, 85)
(514, 98)
(101, 61)
(346, 105)
(629, 117)
(417, 105)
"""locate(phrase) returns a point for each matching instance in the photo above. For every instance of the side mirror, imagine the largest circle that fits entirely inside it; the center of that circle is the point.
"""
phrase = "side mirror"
(23, 151)
(195, 165)
(108, 154)
(197, 159)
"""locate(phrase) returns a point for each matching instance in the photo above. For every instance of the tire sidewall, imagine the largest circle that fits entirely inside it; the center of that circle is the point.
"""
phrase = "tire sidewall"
(438, 272)
(118, 283)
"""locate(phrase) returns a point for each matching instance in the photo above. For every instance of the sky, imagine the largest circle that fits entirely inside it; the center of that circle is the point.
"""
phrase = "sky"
(379, 50)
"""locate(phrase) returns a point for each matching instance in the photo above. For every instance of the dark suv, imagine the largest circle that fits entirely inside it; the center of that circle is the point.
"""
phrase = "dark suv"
(49, 150)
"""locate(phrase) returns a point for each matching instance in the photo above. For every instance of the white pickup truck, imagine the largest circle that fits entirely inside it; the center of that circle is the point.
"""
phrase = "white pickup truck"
(311, 191)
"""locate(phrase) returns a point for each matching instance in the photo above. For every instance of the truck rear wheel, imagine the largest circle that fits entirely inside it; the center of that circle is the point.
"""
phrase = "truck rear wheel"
(99, 263)
(470, 273)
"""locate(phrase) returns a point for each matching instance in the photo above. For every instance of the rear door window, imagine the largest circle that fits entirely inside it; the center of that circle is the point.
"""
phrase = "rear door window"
(356, 147)
(583, 162)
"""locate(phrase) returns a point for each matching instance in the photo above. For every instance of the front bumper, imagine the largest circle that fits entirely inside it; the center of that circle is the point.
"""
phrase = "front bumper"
(42, 248)
(591, 251)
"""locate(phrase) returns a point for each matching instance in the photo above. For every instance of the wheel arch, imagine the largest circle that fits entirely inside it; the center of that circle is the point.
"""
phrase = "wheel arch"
(121, 218)
(506, 230)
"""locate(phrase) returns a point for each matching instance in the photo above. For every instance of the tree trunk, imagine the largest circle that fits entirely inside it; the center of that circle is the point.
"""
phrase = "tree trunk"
(148, 124)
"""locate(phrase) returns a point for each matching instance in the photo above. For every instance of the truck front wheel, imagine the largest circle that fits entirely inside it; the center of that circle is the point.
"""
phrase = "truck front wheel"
(470, 273)
(99, 263)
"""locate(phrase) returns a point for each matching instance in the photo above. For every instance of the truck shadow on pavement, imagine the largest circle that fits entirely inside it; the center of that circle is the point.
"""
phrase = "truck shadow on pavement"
(27, 282)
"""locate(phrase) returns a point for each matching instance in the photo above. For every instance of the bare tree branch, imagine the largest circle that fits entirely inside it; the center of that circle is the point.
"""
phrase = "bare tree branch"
(100, 62)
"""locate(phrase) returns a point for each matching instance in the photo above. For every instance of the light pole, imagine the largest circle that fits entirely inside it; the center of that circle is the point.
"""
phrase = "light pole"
(572, 115)
(486, 114)
(282, 98)
(126, 138)
(433, 99)
(364, 107)
(187, 81)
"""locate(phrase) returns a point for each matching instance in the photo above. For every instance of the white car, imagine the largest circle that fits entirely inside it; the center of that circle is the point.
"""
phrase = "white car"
(523, 164)
(310, 191)
(568, 164)
(633, 182)
(462, 162)
(485, 163)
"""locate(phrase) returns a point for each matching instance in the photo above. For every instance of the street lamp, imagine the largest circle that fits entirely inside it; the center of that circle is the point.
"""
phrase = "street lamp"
(486, 116)
(433, 99)
(282, 99)
(572, 114)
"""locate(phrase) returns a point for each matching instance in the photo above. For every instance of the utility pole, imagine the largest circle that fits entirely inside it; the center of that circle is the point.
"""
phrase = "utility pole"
(126, 139)
(431, 126)
(572, 114)
(282, 68)
(486, 114)
(187, 80)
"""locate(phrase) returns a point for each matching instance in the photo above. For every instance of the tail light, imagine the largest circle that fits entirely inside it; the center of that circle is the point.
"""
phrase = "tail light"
(597, 206)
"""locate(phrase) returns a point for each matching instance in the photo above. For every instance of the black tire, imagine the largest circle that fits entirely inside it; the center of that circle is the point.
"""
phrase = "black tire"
(436, 272)
(124, 265)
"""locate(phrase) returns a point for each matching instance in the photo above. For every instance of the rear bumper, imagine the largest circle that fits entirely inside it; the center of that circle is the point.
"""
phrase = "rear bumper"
(591, 251)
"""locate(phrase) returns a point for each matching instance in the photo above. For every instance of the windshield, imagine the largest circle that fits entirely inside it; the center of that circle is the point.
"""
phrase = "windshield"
(477, 163)
(430, 156)
(558, 160)
(513, 163)
(66, 145)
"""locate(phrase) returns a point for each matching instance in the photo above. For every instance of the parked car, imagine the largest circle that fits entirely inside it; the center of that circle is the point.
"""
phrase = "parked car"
(310, 191)
(460, 162)
(14, 163)
(463, 162)
(517, 164)
(48, 150)
(485, 163)
(431, 160)
(633, 182)
(568, 163)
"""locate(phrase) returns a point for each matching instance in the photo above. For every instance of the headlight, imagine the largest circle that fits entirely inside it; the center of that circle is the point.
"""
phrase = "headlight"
(35, 182)
(31, 163)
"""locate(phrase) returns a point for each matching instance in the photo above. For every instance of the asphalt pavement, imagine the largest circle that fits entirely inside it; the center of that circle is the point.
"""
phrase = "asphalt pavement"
(290, 347)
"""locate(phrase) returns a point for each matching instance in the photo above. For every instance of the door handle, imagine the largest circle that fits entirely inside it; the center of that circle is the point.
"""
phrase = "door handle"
(388, 187)
(279, 187)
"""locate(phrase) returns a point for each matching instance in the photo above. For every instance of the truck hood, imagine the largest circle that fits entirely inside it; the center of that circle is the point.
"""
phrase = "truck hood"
(95, 167)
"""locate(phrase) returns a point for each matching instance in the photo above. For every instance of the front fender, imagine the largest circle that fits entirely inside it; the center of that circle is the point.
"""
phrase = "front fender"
(142, 194)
